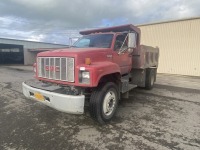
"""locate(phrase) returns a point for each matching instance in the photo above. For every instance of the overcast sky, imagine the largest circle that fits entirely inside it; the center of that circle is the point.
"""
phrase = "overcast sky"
(55, 21)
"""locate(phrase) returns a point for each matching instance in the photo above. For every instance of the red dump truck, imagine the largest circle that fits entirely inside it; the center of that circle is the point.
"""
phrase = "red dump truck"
(100, 68)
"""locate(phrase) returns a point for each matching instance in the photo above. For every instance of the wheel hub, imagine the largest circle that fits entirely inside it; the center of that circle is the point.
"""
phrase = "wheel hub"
(109, 103)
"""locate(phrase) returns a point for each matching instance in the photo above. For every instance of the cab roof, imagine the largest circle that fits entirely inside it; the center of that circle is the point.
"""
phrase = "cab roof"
(122, 28)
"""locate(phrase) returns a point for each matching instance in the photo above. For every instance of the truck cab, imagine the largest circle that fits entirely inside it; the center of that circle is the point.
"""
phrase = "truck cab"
(101, 67)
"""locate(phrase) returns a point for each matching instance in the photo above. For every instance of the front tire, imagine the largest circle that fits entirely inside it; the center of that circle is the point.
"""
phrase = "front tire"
(104, 102)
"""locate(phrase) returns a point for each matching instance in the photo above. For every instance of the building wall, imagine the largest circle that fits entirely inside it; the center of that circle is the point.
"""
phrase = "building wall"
(179, 44)
(30, 44)
(29, 57)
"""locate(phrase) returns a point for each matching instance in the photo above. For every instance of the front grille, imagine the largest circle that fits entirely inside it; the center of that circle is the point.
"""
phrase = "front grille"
(56, 68)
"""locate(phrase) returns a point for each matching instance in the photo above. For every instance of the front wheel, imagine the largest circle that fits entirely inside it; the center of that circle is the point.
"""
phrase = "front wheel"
(104, 102)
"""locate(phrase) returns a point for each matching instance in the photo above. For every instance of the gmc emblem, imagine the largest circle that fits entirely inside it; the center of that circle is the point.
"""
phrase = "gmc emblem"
(52, 68)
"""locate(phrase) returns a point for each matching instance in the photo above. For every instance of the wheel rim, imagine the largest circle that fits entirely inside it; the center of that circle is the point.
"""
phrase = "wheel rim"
(109, 103)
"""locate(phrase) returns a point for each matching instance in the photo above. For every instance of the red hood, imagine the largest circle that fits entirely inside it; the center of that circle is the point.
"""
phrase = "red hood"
(95, 54)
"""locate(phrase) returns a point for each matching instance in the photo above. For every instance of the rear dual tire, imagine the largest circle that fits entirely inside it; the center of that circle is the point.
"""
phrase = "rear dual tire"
(150, 78)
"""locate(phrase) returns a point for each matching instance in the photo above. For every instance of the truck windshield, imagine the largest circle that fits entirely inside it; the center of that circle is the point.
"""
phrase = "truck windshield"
(96, 40)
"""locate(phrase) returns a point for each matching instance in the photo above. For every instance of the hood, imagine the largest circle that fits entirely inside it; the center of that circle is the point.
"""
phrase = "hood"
(95, 54)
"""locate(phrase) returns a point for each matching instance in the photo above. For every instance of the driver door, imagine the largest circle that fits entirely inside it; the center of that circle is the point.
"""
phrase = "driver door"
(124, 60)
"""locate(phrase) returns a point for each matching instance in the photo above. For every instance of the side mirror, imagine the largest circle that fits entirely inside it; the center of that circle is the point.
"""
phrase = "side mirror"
(132, 38)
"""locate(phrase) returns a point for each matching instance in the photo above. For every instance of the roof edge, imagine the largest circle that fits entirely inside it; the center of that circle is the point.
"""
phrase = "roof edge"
(32, 41)
(168, 21)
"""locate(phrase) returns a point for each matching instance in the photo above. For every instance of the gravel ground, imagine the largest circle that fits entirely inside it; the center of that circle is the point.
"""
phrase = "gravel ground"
(167, 117)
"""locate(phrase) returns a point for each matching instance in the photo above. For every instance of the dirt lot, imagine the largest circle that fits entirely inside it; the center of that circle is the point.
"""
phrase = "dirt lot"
(167, 117)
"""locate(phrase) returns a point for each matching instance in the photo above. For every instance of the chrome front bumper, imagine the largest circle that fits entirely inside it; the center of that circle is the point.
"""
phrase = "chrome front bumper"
(65, 103)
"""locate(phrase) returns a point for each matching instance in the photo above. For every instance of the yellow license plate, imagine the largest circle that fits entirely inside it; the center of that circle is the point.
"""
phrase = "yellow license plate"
(39, 96)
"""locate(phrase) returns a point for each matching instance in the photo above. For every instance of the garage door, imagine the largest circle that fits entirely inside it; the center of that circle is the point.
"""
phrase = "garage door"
(11, 54)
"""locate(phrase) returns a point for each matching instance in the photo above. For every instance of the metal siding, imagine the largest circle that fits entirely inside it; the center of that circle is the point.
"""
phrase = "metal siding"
(178, 43)
(30, 44)
(29, 57)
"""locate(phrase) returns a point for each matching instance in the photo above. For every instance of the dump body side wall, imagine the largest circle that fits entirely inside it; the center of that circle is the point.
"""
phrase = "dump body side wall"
(145, 57)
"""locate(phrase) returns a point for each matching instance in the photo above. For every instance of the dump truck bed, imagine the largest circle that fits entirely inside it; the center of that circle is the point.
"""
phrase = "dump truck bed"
(145, 57)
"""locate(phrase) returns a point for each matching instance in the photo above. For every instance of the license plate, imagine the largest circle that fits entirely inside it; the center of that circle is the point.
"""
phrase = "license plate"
(39, 96)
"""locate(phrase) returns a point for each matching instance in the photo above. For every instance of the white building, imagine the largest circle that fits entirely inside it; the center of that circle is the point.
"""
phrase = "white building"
(179, 43)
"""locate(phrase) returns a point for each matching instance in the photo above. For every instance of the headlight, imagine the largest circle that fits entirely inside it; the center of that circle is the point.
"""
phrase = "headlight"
(84, 77)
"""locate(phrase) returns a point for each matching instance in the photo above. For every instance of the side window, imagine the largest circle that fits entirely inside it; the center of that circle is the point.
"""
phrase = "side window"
(121, 42)
(83, 43)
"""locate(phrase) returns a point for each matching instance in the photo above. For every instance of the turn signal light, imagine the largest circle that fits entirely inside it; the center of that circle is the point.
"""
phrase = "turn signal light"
(87, 61)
